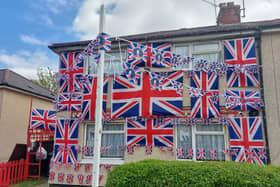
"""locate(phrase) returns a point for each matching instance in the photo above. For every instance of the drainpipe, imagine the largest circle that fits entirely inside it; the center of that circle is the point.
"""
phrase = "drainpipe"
(258, 38)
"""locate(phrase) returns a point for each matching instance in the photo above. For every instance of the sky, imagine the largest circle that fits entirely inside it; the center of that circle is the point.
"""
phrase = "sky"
(29, 26)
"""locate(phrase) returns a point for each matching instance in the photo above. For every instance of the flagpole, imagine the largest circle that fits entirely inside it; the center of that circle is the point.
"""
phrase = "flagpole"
(98, 110)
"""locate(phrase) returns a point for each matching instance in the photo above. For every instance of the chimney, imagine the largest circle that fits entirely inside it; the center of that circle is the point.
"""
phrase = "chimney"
(229, 13)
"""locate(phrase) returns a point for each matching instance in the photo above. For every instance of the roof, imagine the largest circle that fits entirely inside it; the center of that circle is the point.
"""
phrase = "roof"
(196, 31)
(13, 80)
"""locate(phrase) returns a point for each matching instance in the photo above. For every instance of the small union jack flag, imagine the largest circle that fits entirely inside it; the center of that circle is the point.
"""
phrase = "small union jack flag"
(43, 119)
(80, 179)
(137, 54)
(51, 175)
(213, 154)
(104, 41)
(69, 102)
(201, 155)
(190, 153)
(246, 135)
(180, 152)
(60, 177)
(69, 178)
(149, 149)
(242, 78)
(88, 179)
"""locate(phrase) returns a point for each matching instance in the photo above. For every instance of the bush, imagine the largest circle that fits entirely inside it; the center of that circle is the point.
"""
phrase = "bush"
(156, 173)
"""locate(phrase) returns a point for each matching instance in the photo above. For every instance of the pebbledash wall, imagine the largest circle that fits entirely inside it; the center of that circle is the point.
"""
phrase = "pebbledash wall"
(197, 42)
(14, 116)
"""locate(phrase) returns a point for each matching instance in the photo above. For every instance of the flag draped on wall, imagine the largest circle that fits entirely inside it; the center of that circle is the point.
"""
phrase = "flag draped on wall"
(66, 139)
(131, 99)
(89, 97)
(149, 132)
(242, 79)
(69, 102)
(43, 119)
(151, 55)
(246, 139)
(70, 69)
(204, 106)
(242, 100)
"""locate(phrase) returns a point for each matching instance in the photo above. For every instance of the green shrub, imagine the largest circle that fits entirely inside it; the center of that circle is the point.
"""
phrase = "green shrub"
(156, 173)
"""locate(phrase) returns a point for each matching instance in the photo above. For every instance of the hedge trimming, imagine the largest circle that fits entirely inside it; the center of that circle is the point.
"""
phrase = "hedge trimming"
(157, 173)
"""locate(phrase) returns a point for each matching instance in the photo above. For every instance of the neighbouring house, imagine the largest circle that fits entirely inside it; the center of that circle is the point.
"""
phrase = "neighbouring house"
(243, 104)
(17, 96)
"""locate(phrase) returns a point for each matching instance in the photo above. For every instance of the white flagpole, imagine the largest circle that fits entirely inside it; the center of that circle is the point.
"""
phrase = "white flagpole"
(98, 109)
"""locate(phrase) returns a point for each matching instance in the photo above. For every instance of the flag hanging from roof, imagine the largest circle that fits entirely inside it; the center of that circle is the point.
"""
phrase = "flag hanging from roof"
(240, 51)
(69, 68)
(148, 132)
(242, 78)
(242, 100)
(89, 98)
(246, 139)
(151, 55)
(43, 119)
(66, 140)
(140, 99)
(204, 106)
(69, 102)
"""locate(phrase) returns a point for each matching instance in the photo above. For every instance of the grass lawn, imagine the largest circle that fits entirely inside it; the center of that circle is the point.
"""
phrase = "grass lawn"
(31, 182)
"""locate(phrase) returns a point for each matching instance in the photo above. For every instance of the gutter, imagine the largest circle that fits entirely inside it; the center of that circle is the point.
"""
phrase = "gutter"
(258, 38)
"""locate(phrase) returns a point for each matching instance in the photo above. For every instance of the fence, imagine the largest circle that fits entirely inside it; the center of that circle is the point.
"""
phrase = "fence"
(11, 172)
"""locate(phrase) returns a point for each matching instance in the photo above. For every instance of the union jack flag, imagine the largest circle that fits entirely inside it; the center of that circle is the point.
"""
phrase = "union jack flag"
(69, 102)
(70, 69)
(43, 119)
(130, 99)
(240, 51)
(104, 41)
(242, 79)
(246, 136)
(204, 107)
(89, 98)
(132, 72)
(242, 100)
(151, 55)
(66, 139)
(147, 132)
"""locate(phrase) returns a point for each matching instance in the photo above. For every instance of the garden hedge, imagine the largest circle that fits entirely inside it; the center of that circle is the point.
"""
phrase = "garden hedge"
(157, 173)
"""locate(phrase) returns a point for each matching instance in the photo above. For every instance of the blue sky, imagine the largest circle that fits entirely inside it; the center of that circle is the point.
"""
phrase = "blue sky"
(29, 26)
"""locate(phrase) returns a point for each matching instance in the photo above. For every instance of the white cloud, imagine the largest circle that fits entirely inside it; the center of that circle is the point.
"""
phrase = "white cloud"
(32, 40)
(134, 16)
(26, 63)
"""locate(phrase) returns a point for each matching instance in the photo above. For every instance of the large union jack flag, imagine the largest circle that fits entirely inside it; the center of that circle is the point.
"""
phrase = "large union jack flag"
(246, 139)
(204, 106)
(140, 99)
(66, 140)
(69, 68)
(89, 98)
(43, 119)
(150, 55)
(242, 79)
(240, 51)
(147, 132)
(69, 102)
(242, 100)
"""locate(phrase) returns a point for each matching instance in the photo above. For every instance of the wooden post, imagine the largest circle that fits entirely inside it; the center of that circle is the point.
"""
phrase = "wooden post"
(98, 111)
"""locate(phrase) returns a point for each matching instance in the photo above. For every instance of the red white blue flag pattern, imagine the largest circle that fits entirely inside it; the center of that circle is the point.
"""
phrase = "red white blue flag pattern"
(240, 51)
(69, 102)
(130, 99)
(204, 106)
(89, 97)
(66, 140)
(246, 139)
(147, 132)
(151, 55)
(104, 41)
(242, 79)
(69, 68)
(43, 119)
(242, 100)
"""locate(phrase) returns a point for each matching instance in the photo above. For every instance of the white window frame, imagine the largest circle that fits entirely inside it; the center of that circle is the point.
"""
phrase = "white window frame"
(112, 160)
(194, 133)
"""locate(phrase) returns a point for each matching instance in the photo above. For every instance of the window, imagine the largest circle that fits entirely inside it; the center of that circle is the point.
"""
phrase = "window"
(208, 51)
(112, 136)
(204, 137)
(112, 63)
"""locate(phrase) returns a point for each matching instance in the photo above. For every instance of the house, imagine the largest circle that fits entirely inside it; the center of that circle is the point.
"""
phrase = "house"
(251, 134)
(17, 96)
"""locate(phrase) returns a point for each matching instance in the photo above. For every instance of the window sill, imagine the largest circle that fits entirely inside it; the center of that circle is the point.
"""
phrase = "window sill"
(110, 161)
